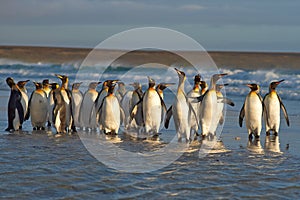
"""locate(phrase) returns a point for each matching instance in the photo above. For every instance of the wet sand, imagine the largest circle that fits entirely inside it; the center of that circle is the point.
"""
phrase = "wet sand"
(240, 60)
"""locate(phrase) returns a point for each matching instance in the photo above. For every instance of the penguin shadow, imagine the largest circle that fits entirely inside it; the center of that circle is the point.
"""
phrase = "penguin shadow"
(254, 146)
(272, 144)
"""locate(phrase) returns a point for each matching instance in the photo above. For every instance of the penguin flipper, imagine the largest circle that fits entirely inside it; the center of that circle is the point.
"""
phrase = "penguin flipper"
(227, 101)
(168, 117)
(163, 105)
(28, 109)
(284, 111)
(242, 115)
(221, 121)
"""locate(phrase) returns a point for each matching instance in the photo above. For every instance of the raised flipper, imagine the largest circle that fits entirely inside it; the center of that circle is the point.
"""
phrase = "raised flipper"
(242, 115)
(168, 117)
(284, 111)
(227, 101)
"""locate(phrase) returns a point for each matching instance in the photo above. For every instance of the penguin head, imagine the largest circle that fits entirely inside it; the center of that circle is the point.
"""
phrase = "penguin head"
(203, 85)
(45, 83)
(64, 79)
(93, 85)
(54, 86)
(254, 87)
(151, 82)
(136, 85)
(21, 84)
(163, 86)
(274, 84)
(108, 83)
(216, 77)
(181, 74)
(220, 86)
(75, 86)
(197, 79)
(38, 86)
(10, 82)
(111, 88)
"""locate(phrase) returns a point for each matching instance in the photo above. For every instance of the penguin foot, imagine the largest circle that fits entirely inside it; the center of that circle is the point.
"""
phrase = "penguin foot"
(9, 129)
(250, 137)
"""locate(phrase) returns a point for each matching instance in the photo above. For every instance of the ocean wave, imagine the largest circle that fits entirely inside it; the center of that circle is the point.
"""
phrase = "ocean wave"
(237, 78)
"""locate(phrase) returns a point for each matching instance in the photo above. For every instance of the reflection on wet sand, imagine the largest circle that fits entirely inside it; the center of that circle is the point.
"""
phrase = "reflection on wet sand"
(211, 145)
(272, 144)
(255, 146)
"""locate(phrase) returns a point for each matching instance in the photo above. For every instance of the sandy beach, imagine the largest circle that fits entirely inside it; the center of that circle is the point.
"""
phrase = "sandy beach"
(223, 59)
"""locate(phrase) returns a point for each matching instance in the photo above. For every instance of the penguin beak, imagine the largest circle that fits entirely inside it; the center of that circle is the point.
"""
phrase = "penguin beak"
(97, 83)
(178, 71)
(278, 82)
(249, 85)
(59, 76)
(221, 75)
(168, 84)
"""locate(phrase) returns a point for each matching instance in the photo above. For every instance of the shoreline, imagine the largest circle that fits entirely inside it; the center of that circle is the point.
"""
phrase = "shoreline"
(223, 59)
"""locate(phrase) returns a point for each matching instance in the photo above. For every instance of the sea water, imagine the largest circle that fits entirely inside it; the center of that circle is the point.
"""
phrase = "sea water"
(37, 164)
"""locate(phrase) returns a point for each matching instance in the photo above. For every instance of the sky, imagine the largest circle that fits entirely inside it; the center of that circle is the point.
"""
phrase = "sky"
(232, 25)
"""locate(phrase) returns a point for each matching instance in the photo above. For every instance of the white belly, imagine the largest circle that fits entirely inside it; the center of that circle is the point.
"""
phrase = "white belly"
(38, 110)
(196, 107)
(76, 103)
(125, 104)
(16, 121)
(181, 116)
(110, 117)
(253, 113)
(208, 113)
(273, 112)
(152, 111)
(24, 102)
(87, 111)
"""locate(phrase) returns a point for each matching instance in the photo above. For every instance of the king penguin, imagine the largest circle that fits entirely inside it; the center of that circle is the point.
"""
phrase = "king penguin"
(87, 116)
(62, 115)
(152, 108)
(77, 97)
(208, 108)
(47, 90)
(136, 97)
(252, 110)
(181, 110)
(273, 103)
(38, 107)
(54, 87)
(25, 99)
(195, 92)
(15, 109)
(110, 112)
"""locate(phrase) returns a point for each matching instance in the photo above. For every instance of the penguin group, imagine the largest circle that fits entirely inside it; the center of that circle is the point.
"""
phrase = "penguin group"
(197, 112)
(256, 108)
